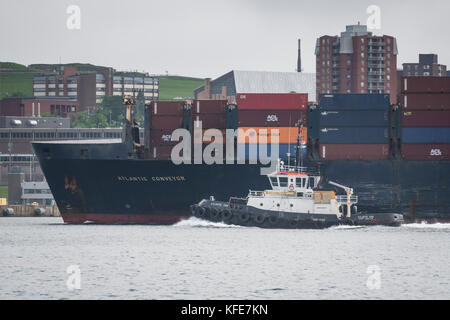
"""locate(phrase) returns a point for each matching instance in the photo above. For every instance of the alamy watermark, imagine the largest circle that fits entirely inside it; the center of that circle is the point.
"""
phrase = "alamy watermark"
(374, 19)
(212, 147)
(74, 20)
(74, 280)
(374, 279)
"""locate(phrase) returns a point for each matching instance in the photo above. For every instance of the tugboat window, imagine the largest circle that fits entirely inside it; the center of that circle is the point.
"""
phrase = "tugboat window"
(299, 182)
(283, 181)
(311, 183)
(274, 181)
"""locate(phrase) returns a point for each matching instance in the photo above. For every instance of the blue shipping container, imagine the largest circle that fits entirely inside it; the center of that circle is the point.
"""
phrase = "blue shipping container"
(426, 135)
(251, 151)
(360, 118)
(347, 101)
(354, 135)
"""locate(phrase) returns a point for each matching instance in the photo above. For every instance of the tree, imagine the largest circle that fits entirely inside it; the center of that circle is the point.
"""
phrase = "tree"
(110, 113)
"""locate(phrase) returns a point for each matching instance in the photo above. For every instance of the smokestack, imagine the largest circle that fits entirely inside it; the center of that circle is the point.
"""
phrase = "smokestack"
(299, 59)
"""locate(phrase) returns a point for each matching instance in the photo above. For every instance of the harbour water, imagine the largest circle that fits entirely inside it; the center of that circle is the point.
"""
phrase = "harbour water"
(195, 259)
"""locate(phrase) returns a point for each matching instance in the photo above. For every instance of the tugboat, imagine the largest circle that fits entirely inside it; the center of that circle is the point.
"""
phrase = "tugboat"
(295, 202)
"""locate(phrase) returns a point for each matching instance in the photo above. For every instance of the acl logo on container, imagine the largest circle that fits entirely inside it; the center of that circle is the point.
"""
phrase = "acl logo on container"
(435, 152)
(272, 117)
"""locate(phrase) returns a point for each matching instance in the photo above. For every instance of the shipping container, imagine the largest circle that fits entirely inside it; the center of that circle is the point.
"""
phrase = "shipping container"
(210, 120)
(208, 106)
(354, 118)
(174, 108)
(425, 85)
(271, 118)
(258, 134)
(252, 151)
(354, 135)
(420, 152)
(426, 118)
(426, 135)
(425, 101)
(208, 136)
(271, 101)
(162, 137)
(166, 122)
(346, 101)
(354, 151)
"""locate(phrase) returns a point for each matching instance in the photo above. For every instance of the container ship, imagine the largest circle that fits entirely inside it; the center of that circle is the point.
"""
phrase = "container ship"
(396, 157)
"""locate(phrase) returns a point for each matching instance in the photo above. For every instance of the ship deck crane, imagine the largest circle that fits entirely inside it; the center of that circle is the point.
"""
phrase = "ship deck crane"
(349, 192)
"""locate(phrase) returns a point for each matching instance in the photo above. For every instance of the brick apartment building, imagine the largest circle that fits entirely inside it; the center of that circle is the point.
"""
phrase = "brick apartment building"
(428, 66)
(356, 62)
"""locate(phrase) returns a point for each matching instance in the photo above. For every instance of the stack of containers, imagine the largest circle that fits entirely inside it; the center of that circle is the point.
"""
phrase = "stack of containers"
(266, 112)
(212, 115)
(165, 117)
(354, 126)
(425, 118)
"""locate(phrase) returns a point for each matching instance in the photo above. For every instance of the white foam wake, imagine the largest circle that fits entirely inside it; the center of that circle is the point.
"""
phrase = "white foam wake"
(344, 227)
(196, 222)
(425, 225)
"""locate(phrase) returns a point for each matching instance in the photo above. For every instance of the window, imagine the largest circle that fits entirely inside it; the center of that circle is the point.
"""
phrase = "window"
(274, 181)
(283, 181)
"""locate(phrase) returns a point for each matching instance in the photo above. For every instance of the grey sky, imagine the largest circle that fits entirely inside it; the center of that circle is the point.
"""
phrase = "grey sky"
(206, 38)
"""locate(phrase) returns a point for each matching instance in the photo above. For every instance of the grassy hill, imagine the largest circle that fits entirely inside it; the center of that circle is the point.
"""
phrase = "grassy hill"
(16, 85)
(175, 86)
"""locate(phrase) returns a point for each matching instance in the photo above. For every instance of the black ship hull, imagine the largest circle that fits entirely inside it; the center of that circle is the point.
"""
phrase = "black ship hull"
(99, 183)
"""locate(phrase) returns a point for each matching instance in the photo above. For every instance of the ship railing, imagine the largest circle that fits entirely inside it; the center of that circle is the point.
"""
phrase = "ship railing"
(344, 199)
(296, 169)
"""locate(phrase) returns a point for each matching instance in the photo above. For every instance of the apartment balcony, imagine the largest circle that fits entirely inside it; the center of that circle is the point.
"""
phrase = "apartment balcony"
(375, 73)
(375, 87)
(375, 58)
(376, 65)
(375, 50)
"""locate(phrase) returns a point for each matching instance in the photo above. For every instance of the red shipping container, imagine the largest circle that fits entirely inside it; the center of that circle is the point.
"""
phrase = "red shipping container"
(271, 118)
(162, 137)
(271, 101)
(210, 120)
(208, 106)
(167, 108)
(424, 101)
(166, 122)
(420, 152)
(426, 118)
(354, 151)
(425, 84)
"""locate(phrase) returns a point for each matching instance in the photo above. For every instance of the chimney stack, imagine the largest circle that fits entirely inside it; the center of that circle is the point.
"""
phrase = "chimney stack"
(299, 59)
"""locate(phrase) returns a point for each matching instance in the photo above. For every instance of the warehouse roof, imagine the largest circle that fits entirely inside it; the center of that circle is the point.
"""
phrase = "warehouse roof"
(272, 82)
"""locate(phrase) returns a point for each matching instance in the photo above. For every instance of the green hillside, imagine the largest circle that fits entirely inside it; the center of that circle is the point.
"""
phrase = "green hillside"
(12, 67)
(16, 85)
(174, 86)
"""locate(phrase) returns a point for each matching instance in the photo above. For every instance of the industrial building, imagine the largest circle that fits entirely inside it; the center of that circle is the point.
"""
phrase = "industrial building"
(357, 62)
(89, 85)
(229, 85)
(37, 106)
